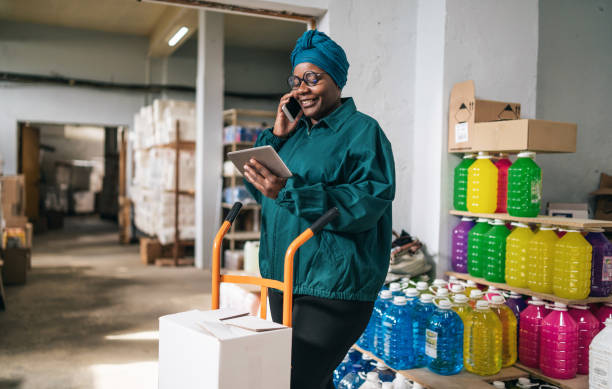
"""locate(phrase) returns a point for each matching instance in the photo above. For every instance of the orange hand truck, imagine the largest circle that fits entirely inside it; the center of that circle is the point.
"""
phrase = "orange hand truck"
(286, 287)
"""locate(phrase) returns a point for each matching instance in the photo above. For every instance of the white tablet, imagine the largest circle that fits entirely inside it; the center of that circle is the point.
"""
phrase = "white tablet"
(266, 155)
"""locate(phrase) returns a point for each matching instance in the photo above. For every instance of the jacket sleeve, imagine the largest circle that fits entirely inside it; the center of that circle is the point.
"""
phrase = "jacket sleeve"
(363, 191)
(266, 138)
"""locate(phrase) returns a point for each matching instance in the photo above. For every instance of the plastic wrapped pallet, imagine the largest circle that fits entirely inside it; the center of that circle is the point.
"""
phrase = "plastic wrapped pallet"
(186, 169)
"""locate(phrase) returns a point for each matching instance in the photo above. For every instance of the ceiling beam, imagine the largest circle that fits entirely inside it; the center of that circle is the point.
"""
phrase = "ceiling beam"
(167, 25)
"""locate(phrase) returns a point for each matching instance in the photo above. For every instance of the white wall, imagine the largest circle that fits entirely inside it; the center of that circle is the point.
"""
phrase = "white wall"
(575, 85)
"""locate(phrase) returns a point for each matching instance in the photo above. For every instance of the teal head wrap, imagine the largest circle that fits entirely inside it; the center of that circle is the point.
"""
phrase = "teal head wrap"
(317, 48)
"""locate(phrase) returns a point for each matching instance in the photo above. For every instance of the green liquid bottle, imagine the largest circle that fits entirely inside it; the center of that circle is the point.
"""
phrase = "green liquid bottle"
(476, 241)
(495, 246)
(524, 186)
(460, 182)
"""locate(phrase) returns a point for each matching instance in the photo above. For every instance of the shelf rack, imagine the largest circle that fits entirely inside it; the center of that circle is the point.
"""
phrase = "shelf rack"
(581, 381)
(542, 219)
(463, 380)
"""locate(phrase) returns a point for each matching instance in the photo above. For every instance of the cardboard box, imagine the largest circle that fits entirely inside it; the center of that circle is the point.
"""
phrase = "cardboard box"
(199, 350)
(465, 110)
(603, 209)
(13, 198)
(15, 266)
(572, 210)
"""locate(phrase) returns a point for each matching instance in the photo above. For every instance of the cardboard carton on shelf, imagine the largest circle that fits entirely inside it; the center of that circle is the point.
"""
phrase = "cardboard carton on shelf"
(481, 125)
(573, 210)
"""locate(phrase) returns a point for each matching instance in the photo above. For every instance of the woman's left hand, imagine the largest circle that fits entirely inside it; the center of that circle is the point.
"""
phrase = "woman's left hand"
(263, 180)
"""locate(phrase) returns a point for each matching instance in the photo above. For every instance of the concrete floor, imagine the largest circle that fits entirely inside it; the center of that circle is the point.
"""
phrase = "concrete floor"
(87, 317)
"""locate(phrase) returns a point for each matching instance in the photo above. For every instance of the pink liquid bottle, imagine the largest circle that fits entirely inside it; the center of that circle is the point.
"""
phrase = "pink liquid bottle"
(529, 332)
(492, 291)
(604, 312)
(559, 344)
(601, 267)
(588, 327)
(502, 164)
(460, 244)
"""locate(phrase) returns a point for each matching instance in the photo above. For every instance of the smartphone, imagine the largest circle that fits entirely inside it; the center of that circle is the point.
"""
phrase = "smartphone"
(291, 109)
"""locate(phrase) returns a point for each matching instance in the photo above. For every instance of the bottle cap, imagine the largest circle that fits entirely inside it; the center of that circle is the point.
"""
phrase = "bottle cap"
(366, 357)
(416, 385)
(381, 366)
(452, 279)
(387, 385)
(476, 294)
(422, 285)
(608, 322)
(570, 230)
(394, 286)
(440, 283)
(546, 227)
(442, 292)
(497, 299)
(386, 294)
(426, 298)
(519, 224)
(457, 288)
(514, 295)
(470, 284)
(467, 219)
(399, 300)
(526, 154)
(372, 376)
(594, 229)
(536, 301)
(492, 289)
(559, 306)
(499, 385)
(579, 306)
(483, 155)
(411, 292)
(608, 304)
(460, 298)
(482, 304)
(497, 222)
(444, 304)
(524, 381)
(469, 156)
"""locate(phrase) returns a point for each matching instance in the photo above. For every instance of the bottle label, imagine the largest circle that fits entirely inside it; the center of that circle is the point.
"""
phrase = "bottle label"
(606, 272)
(598, 371)
(461, 132)
(536, 191)
(431, 343)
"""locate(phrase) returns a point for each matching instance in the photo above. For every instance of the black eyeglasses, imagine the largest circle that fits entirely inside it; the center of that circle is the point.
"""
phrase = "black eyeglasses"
(310, 78)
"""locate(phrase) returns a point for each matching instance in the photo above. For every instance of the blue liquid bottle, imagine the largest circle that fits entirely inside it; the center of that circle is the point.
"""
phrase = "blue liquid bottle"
(384, 373)
(444, 340)
(342, 369)
(397, 322)
(422, 311)
(380, 307)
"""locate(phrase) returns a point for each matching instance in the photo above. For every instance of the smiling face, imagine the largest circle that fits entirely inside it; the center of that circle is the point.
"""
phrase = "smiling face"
(320, 100)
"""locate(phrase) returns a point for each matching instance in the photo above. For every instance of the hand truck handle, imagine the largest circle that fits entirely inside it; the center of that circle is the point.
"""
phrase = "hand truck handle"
(233, 213)
(324, 220)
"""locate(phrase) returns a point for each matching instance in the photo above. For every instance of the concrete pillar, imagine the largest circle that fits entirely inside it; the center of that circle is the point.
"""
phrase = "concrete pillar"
(209, 122)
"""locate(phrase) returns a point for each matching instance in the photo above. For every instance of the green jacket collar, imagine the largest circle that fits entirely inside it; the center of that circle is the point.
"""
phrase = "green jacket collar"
(335, 119)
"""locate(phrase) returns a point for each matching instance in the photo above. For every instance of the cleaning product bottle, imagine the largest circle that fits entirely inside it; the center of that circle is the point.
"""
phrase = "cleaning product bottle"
(380, 307)
(371, 381)
(460, 182)
(496, 252)
(491, 292)
(525, 383)
(444, 340)
(600, 358)
(601, 265)
(509, 330)
(529, 333)
(439, 283)
(516, 255)
(588, 327)
(482, 185)
(517, 304)
(400, 382)
(477, 247)
(498, 385)
(460, 244)
(384, 373)
(469, 287)
(572, 266)
(387, 385)
(603, 313)
(461, 306)
(452, 280)
(422, 287)
(396, 289)
(342, 370)
(457, 289)
(475, 296)
(353, 380)
(559, 344)
(540, 260)
(524, 186)
(482, 341)
(502, 164)
(397, 336)
(368, 363)
(422, 313)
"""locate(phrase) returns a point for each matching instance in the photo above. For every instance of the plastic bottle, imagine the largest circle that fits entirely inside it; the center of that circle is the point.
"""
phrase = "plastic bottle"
(477, 247)
(540, 260)
(517, 304)
(353, 380)
(524, 186)
(397, 337)
(498, 385)
(517, 244)
(457, 289)
(482, 185)
(400, 382)
(502, 165)
(559, 344)
(495, 240)
(387, 385)
(371, 381)
(422, 313)
(588, 327)
(601, 264)
(469, 287)
(452, 280)
(482, 341)
(422, 287)
(396, 289)
(475, 296)
(384, 373)
(439, 283)
(380, 307)
(491, 292)
(509, 330)
(603, 313)
(461, 306)
(572, 266)
(441, 293)
(600, 358)
(524, 383)
(460, 182)
(368, 363)
(444, 340)
(460, 244)
(342, 369)
(412, 297)
(529, 333)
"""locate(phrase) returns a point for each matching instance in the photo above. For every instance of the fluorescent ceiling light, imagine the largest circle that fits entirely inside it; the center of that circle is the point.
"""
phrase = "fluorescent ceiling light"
(178, 36)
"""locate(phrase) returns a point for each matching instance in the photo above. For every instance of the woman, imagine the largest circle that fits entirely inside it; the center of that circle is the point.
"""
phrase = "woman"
(341, 158)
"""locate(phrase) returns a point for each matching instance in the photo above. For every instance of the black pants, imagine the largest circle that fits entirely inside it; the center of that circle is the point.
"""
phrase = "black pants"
(323, 332)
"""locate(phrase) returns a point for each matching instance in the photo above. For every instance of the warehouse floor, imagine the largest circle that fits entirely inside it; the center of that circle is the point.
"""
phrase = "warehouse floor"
(87, 317)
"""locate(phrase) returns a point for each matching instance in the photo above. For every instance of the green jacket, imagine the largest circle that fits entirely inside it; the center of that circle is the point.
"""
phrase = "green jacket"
(345, 161)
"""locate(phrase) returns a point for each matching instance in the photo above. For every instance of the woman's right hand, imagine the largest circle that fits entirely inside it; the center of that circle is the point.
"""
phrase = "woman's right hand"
(282, 126)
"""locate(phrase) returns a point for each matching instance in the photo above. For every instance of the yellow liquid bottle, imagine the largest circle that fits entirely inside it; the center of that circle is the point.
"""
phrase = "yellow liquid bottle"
(540, 260)
(572, 266)
(482, 341)
(469, 287)
(461, 306)
(516, 255)
(482, 185)
(509, 330)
